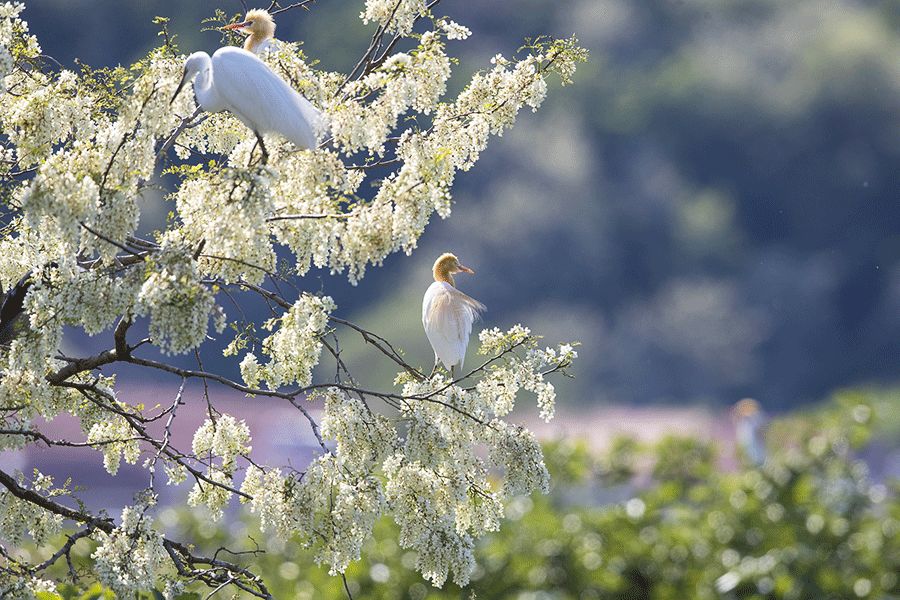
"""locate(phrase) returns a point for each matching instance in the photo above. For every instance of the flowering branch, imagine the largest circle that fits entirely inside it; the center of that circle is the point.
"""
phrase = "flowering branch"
(77, 151)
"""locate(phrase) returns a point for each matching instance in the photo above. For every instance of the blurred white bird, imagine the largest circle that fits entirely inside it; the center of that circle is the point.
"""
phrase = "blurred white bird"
(259, 28)
(238, 81)
(749, 421)
(448, 314)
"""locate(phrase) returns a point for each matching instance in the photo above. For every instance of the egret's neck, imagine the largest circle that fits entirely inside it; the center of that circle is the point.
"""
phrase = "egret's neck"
(441, 274)
(205, 91)
(255, 39)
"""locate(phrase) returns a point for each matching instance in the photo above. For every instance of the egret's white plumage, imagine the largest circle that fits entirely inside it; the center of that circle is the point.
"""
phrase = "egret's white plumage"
(238, 81)
(448, 314)
(260, 48)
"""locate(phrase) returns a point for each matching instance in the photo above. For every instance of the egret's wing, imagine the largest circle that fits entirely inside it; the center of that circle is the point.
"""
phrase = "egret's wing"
(448, 315)
(262, 99)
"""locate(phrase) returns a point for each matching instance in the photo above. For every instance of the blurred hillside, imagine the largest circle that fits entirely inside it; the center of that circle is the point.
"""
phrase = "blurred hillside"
(712, 209)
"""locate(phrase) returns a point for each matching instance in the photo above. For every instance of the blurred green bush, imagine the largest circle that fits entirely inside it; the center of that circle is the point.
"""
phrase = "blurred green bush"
(809, 524)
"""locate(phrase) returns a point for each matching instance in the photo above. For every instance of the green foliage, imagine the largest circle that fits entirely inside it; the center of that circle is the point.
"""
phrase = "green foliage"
(808, 524)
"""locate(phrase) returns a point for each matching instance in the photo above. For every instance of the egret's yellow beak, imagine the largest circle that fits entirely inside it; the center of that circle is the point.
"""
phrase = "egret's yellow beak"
(465, 269)
(237, 26)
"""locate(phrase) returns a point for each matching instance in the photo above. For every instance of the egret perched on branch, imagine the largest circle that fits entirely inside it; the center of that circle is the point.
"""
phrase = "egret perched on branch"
(238, 81)
(259, 28)
(448, 314)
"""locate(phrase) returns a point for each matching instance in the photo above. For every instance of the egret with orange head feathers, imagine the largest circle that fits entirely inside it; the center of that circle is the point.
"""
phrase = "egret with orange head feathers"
(448, 314)
(259, 28)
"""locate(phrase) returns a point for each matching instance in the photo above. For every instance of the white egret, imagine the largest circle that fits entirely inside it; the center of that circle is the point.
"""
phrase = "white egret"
(448, 314)
(259, 28)
(238, 81)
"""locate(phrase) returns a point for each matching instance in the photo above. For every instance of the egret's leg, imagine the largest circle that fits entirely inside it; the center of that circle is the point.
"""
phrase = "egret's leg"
(262, 146)
(252, 152)
(435, 368)
(453, 373)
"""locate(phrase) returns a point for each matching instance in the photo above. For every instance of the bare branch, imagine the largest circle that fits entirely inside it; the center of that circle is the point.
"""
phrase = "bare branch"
(186, 123)
(304, 5)
(383, 346)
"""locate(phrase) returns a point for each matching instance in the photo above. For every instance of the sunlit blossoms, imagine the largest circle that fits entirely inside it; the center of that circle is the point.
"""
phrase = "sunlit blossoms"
(226, 438)
(397, 17)
(19, 517)
(177, 303)
(79, 152)
(114, 439)
(294, 348)
(454, 30)
(130, 557)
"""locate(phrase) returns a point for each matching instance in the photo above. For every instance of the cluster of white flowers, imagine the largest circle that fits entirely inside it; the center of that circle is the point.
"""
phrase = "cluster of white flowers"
(454, 30)
(174, 298)
(502, 382)
(397, 16)
(51, 111)
(9, 23)
(405, 81)
(24, 586)
(131, 557)
(494, 341)
(315, 183)
(294, 348)
(113, 437)
(61, 196)
(336, 503)
(226, 212)
(226, 438)
(424, 503)
(223, 439)
(214, 496)
(18, 517)
(92, 300)
(272, 494)
(25, 364)
(518, 452)
(363, 437)
(335, 511)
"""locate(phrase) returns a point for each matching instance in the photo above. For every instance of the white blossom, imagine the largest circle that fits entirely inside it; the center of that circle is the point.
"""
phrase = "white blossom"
(363, 438)
(225, 438)
(328, 500)
(294, 348)
(271, 499)
(214, 495)
(129, 558)
(397, 16)
(18, 516)
(15, 586)
(454, 30)
(114, 438)
(177, 303)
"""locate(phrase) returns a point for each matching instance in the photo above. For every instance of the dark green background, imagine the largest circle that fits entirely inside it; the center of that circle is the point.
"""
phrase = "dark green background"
(712, 209)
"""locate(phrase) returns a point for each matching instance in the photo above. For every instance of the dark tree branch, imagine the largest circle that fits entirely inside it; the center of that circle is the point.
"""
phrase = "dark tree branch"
(304, 5)
(183, 559)
(186, 123)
